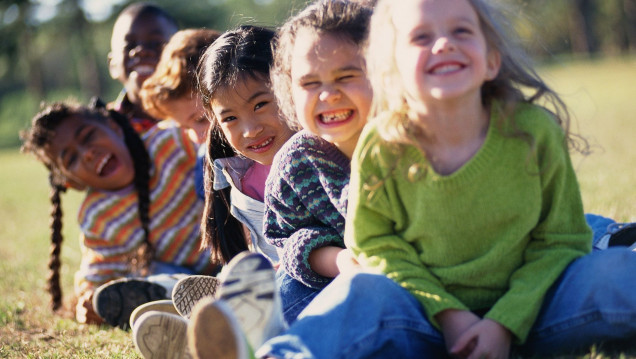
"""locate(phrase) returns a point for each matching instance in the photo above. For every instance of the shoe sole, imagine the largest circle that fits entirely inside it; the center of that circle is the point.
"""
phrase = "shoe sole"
(214, 333)
(163, 305)
(189, 290)
(625, 236)
(248, 289)
(115, 301)
(160, 335)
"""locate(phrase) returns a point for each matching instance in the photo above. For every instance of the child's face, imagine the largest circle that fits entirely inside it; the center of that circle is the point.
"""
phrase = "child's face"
(441, 51)
(91, 153)
(136, 46)
(188, 112)
(248, 116)
(331, 93)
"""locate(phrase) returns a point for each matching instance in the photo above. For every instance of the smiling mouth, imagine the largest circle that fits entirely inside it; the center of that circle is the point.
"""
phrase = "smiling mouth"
(263, 144)
(102, 164)
(335, 117)
(445, 69)
(144, 70)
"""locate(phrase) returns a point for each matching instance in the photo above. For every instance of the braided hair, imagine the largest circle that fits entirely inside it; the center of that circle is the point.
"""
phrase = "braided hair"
(40, 135)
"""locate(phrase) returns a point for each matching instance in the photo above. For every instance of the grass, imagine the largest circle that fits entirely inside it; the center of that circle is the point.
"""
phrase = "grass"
(600, 94)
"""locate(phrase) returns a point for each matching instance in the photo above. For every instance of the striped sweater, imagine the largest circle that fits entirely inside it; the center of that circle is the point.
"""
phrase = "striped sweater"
(305, 203)
(111, 230)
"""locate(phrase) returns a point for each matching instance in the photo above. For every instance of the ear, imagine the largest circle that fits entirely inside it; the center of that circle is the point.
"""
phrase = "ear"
(113, 67)
(493, 63)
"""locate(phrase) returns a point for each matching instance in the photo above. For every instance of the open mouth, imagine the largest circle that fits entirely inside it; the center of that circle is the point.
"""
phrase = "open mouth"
(444, 69)
(143, 70)
(263, 145)
(106, 166)
(335, 117)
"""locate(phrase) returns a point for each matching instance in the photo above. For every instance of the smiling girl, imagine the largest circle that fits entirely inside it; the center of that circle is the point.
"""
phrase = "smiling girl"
(140, 215)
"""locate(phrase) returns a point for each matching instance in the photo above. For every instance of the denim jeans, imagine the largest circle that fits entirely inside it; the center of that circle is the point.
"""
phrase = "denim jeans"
(599, 226)
(370, 316)
(294, 295)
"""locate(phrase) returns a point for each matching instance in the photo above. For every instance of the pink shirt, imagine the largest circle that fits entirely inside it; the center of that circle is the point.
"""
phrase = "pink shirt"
(253, 183)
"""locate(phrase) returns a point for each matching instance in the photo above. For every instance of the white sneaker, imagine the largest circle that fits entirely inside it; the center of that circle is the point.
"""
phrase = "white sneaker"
(189, 290)
(249, 288)
(162, 305)
(159, 335)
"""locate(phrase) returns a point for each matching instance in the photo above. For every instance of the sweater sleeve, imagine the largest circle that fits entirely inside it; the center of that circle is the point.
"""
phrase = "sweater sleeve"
(374, 223)
(560, 236)
(301, 209)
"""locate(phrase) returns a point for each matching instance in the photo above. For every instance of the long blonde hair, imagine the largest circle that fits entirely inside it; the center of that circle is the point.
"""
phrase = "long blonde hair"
(516, 82)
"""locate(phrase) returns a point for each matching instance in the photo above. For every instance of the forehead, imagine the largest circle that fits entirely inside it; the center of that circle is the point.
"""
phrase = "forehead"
(409, 13)
(64, 134)
(315, 52)
(144, 24)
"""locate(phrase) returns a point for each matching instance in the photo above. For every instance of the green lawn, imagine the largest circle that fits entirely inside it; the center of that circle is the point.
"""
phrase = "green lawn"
(601, 95)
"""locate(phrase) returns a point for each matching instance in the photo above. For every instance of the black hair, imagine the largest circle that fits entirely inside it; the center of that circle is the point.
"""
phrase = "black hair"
(235, 56)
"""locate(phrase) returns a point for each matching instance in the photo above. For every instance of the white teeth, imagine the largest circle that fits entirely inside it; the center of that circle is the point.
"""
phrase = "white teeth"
(269, 140)
(336, 116)
(446, 69)
(102, 163)
(144, 69)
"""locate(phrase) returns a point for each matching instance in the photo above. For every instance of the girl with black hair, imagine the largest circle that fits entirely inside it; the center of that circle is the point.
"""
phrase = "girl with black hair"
(140, 216)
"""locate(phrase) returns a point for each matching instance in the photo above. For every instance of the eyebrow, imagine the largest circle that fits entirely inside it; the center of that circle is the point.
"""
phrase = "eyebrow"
(76, 135)
(340, 69)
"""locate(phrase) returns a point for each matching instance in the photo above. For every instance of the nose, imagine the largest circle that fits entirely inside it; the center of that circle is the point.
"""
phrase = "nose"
(252, 128)
(443, 44)
(330, 94)
(88, 154)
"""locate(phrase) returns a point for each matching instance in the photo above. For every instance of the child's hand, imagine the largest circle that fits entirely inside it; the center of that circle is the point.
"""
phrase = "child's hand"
(485, 339)
(346, 262)
(454, 323)
(84, 312)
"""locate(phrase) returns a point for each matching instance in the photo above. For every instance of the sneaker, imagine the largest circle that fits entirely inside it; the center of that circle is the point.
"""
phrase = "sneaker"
(189, 290)
(159, 335)
(249, 288)
(215, 333)
(115, 301)
(163, 305)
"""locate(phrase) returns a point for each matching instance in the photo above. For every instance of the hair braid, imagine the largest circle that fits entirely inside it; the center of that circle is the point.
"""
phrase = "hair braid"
(57, 238)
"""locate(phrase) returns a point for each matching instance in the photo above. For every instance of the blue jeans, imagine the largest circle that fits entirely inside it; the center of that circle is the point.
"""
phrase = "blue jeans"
(370, 316)
(294, 295)
(599, 225)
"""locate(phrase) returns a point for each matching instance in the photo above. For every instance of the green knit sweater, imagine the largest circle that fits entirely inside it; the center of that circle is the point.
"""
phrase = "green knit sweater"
(494, 235)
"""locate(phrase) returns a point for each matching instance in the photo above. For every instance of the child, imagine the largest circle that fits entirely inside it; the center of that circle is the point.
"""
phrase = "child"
(236, 95)
(139, 196)
(170, 92)
(464, 202)
(320, 82)
(140, 32)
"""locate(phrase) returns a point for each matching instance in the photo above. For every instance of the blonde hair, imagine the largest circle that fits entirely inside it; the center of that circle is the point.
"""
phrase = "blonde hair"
(348, 20)
(516, 76)
(175, 75)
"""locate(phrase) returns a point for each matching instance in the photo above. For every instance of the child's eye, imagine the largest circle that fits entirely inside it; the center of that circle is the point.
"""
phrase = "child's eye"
(462, 31)
(200, 119)
(310, 84)
(89, 136)
(345, 77)
(228, 119)
(421, 38)
(260, 105)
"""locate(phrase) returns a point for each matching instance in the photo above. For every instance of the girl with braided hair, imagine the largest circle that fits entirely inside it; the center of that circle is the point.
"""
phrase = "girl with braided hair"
(140, 216)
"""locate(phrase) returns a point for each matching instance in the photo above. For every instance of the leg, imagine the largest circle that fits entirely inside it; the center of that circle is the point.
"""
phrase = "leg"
(294, 295)
(359, 316)
(593, 301)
